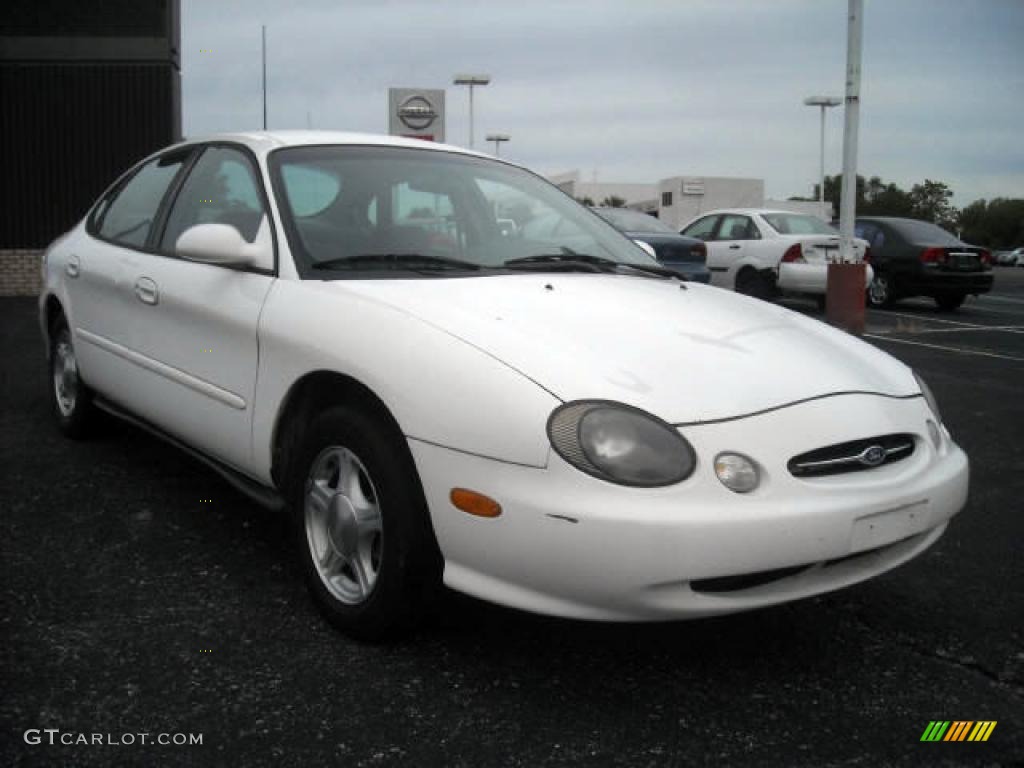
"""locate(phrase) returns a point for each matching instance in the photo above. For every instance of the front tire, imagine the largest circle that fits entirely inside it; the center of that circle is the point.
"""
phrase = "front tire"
(363, 531)
(70, 398)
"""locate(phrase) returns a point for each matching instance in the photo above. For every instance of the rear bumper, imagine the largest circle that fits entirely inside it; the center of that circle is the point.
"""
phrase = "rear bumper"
(935, 282)
(810, 278)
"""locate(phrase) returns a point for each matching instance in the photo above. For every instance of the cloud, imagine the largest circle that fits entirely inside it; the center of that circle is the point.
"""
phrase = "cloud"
(639, 90)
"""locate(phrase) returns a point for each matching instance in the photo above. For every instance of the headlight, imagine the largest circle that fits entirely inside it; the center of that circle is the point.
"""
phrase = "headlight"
(929, 397)
(620, 444)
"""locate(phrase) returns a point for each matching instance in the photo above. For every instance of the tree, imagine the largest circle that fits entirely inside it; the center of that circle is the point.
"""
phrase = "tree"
(876, 197)
(998, 223)
(931, 203)
(585, 200)
(614, 201)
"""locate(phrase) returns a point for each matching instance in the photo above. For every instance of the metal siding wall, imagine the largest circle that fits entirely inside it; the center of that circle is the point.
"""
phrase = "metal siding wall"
(66, 131)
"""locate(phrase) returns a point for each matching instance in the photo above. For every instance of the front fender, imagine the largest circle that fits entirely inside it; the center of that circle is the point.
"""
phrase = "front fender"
(440, 389)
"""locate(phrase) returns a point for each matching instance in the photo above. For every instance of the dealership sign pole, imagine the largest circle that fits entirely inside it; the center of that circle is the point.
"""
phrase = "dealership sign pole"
(845, 292)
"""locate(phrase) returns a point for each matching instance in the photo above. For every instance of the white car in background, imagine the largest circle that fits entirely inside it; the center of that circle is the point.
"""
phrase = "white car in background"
(757, 252)
(544, 418)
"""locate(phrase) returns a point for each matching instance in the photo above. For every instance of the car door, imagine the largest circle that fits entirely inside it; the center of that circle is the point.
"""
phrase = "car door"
(101, 268)
(196, 323)
(733, 239)
(704, 229)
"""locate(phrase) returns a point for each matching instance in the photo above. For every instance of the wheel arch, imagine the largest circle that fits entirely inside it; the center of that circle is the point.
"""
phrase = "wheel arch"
(52, 310)
(308, 395)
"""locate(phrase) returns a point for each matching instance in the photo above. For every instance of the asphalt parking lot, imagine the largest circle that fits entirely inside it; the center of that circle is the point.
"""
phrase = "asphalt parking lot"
(140, 593)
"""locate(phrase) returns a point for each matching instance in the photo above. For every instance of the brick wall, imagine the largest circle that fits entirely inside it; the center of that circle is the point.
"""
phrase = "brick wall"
(19, 273)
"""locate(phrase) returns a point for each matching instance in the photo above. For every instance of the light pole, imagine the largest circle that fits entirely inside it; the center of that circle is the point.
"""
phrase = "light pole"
(264, 57)
(824, 102)
(471, 80)
(497, 138)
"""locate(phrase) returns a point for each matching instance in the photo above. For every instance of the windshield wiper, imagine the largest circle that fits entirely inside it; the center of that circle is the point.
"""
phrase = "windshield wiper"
(570, 259)
(412, 261)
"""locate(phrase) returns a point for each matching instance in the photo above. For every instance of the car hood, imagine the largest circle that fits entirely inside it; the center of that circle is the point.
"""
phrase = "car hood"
(685, 352)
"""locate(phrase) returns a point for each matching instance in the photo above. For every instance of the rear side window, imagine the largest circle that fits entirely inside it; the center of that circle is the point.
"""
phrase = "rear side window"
(702, 228)
(220, 189)
(128, 218)
(797, 224)
(873, 234)
(735, 227)
(923, 232)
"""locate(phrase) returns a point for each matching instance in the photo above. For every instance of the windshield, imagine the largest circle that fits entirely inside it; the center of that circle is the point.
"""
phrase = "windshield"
(626, 220)
(372, 208)
(798, 224)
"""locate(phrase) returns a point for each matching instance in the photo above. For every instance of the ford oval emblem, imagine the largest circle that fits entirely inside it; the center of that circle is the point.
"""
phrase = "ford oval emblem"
(872, 456)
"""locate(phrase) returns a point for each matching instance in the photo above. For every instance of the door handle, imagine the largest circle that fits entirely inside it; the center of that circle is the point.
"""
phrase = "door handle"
(73, 267)
(146, 291)
(734, 247)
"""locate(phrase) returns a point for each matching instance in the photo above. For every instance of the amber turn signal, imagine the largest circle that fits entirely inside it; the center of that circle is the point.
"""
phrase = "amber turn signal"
(474, 503)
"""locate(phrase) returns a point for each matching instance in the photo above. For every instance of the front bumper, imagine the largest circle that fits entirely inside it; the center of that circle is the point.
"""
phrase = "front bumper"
(570, 545)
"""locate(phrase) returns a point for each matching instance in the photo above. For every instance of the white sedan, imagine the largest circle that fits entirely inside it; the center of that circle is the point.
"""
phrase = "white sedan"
(756, 251)
(346, 328)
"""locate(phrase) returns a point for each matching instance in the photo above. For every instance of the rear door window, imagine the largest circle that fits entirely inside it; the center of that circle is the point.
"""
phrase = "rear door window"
(737, 227)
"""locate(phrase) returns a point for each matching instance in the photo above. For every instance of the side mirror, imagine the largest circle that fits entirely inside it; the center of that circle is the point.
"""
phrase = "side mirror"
(223, 244)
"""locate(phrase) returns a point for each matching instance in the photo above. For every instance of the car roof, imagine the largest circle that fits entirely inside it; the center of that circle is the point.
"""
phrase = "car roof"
(749, 211)
(263, 142)
(891, 219)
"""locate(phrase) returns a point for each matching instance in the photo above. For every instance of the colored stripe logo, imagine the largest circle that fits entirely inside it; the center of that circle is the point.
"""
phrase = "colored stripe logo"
(958, 730)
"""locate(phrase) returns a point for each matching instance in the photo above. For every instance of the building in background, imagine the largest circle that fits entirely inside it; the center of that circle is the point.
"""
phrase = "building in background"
(88, 90)
(679, 199)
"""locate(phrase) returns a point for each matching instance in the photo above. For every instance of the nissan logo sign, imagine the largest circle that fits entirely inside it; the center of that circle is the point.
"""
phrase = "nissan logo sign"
(417, 113)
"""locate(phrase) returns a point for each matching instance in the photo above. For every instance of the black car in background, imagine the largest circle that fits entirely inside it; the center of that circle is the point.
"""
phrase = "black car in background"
(686, 255)
(918, 258)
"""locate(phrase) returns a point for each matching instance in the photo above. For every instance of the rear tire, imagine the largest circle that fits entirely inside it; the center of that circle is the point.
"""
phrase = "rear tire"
(362, 526)
(70, 398)
(949, 302)
(881, 292)
(752, 283)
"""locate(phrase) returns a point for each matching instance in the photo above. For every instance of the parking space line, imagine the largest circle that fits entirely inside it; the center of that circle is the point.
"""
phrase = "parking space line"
(886, 313)
(1000, 297)
(958, 350)
(1000, 328)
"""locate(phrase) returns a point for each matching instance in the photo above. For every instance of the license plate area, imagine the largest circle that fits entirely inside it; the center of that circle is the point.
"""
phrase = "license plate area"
(881, 528)
(964, 262)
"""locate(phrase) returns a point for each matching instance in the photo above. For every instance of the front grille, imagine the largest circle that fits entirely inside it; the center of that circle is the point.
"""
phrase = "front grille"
(853, 456)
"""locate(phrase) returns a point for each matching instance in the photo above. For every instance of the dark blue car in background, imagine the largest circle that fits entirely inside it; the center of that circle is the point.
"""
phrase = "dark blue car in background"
(686, 255)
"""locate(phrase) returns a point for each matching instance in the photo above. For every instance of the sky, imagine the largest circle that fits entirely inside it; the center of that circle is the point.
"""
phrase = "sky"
(638, 90)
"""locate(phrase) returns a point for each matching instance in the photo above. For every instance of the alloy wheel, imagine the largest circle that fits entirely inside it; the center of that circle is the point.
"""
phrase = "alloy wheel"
(344, 529)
